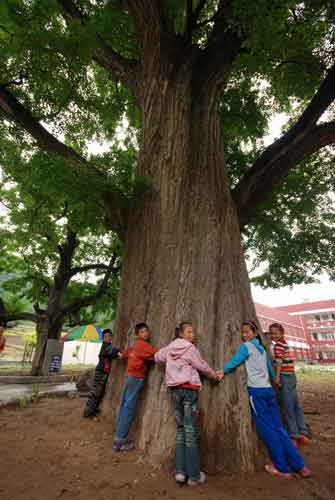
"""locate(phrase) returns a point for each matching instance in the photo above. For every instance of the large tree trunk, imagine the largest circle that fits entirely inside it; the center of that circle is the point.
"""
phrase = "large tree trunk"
(184, 261)
(48, 327)
(42, 329)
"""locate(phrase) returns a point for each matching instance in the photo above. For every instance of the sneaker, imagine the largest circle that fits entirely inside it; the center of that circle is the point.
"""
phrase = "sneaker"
(271, 469)
(295, 442)
(118, 447)
(304, 440)
(127, 446)
(305, 473)
(201, 480)
(180, 477)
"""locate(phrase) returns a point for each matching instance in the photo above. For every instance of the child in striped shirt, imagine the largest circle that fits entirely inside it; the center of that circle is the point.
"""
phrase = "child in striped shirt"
(287, 383)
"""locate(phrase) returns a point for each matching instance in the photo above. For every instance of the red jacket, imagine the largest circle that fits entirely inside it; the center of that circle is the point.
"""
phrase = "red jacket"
(138, 355)
(2, 343)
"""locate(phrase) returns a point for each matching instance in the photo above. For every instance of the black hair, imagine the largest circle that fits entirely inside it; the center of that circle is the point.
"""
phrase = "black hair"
(254, 328)
(251, 324)
(107, 330)
(139, 327)
(181, 327)
(277, 325)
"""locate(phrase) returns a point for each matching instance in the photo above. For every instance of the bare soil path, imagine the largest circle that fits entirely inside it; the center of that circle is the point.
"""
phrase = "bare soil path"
(48, 451)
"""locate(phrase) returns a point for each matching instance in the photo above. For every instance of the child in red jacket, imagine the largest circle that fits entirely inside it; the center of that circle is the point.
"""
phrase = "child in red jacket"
(2, 338)
(138, 356)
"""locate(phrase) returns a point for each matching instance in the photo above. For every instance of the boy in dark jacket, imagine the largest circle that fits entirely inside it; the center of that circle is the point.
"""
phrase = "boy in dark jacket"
(107, 353)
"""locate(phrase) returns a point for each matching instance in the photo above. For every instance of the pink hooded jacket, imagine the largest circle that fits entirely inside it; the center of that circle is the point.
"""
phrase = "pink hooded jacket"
(183, 361)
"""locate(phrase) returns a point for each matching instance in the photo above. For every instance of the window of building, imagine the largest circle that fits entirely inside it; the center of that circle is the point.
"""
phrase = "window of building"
(317, 317)
(332, 315)
(323, 336)
(325, 317)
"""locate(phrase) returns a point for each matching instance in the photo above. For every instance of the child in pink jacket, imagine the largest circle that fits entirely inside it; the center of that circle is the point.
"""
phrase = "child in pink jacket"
(183, 362)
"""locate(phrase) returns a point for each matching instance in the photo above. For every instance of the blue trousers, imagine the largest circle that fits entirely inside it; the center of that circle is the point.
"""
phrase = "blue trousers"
(265, 412)
(185, 402)
(293, 414)
(127, 412)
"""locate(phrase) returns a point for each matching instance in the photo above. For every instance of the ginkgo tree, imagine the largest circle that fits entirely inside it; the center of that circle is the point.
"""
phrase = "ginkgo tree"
(194, 187)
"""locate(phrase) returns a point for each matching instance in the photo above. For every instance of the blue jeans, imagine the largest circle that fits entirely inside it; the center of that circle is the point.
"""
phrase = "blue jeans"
(265, 413)
(185, 402)
(293, 414)
(127, 412)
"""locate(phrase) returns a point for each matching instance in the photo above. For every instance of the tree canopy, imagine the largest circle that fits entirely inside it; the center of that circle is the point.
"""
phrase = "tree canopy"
(68, 80)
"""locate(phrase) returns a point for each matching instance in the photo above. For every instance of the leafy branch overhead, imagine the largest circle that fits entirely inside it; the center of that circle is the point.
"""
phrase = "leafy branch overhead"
(79, 76)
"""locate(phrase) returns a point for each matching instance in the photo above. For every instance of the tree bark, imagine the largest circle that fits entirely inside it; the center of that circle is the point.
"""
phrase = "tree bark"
(42, 330)
(183, 261)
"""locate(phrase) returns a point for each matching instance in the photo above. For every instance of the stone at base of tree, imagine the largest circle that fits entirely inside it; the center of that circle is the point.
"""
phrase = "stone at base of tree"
(84, 381)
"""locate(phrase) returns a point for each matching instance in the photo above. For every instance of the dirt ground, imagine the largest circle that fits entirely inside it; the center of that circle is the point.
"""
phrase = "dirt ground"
(48, 451)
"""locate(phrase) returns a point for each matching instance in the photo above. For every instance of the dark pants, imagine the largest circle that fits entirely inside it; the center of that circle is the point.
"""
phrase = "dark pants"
(96, 394)
(127, 412)
(293, 415)
(185, 402)
(265, 412)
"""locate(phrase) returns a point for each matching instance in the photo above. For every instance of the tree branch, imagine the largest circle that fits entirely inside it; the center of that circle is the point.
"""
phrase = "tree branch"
(123, 69)
(189, 20)
(7, 317)
(66, 252)
(223, 45)
(13, 110)
(78, 304)
(88, 267)
(16, 112)
(303, 139)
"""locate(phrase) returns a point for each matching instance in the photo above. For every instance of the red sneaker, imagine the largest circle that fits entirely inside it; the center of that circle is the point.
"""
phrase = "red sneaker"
(271, 469)
(304, 440)
(295, 442)
(305, 473)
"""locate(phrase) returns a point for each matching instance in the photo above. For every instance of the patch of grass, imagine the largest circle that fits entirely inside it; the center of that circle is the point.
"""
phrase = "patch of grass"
(315, 375)
(75, 368)
(14, 370)
(35, 394)
(24, 402)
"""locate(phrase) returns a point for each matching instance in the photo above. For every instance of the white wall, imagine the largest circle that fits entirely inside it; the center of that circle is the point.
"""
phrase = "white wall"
(88, 353)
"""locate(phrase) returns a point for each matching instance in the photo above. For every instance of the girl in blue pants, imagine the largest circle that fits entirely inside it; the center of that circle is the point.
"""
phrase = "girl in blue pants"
(264, 409)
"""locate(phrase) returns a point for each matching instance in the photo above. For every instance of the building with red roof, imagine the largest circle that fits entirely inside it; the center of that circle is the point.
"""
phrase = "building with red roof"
(318, 320)
(294, 329)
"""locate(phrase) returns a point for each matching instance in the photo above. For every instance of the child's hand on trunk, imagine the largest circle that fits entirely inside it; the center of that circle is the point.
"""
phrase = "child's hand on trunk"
(219, 375)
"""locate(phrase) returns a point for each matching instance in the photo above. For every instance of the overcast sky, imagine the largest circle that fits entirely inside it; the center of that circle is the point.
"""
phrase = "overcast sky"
(295, 295)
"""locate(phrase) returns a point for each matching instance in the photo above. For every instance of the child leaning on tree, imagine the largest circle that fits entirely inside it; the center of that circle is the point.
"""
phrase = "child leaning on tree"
(183, 362)
(137, 357)
(102, 370)
(2, 338)
(285, 457)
